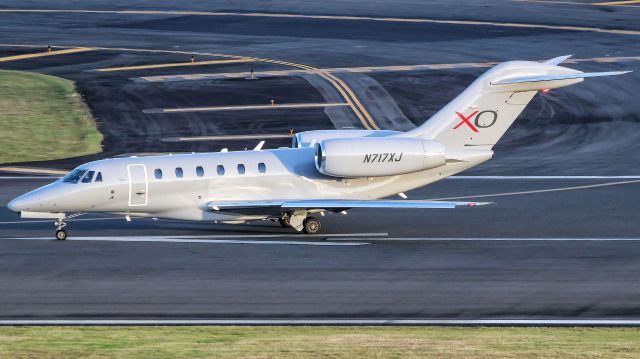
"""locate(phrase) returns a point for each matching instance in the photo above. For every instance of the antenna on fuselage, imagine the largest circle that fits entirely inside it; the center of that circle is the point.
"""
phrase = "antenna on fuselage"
(259, 146)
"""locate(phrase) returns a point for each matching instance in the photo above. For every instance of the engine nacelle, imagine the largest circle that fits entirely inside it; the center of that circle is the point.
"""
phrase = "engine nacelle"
(375, 157)
(310, 138)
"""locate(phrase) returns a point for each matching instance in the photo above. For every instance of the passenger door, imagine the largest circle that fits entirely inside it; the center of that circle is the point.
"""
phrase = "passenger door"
(138, 185)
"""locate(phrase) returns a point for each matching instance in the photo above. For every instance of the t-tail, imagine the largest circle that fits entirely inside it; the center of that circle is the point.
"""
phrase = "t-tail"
(481, 114)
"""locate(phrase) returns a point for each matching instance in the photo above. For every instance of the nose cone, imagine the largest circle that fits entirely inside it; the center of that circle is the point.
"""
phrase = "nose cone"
(21, 203)
(32, 201)
(14, 205)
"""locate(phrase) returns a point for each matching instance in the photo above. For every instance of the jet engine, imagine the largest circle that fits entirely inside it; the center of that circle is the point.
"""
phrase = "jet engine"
(375, 157)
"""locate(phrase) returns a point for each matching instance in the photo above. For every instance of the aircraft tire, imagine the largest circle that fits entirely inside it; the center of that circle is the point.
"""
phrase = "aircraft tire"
(61, 234)
(312, 225)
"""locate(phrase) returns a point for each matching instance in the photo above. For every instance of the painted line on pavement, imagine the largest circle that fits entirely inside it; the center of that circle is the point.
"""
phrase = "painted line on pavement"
(175, 64)
(225, 138)
(610, 3)
(223, 236)
(354, 322)
(46, 53)
(541, 177)
(67, 220)
(241, 108)
(259, 136)
(27, 177)
(362, 69)
(33, 170)
(346, 239)
(494, 239)
(608, 184)
(334, 17)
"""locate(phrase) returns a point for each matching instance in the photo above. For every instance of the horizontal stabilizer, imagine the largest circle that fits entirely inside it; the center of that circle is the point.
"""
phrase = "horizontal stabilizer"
(581, 75)
(335, 204)
(557, 60)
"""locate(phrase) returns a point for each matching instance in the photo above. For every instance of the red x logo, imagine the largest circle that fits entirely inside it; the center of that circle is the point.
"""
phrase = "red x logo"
(466, 120)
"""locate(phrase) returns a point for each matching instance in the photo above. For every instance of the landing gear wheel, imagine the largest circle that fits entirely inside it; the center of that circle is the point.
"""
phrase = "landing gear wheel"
(311, 225)
(284, 222)
(61, 234)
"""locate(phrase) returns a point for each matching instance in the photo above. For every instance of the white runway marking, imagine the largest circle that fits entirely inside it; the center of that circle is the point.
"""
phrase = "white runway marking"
(531, 239)
(456, 322)
(541, 177)
(536, 191)
(231, 239)
(283, 136)
(68, 220)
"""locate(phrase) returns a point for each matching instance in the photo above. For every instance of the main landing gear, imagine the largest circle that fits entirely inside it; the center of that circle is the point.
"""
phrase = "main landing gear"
(300, 222)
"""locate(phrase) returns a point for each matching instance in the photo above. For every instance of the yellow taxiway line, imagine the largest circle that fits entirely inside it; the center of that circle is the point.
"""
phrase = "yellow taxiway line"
(364, 69)
(46, 53)
(241, 108)
(31, 170)
(333, 17)
(175, 64)
(628, 2)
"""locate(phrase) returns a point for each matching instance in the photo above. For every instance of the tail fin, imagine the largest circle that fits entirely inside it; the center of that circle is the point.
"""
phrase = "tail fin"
(483, 112)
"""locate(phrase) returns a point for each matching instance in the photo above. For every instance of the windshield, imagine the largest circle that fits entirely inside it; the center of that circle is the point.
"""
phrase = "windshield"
(74, 176)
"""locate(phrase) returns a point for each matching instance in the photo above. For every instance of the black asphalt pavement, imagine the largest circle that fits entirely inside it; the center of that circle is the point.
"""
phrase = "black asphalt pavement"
(567, 253)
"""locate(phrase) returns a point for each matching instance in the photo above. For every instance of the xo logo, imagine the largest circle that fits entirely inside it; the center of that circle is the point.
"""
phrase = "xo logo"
(482, 119)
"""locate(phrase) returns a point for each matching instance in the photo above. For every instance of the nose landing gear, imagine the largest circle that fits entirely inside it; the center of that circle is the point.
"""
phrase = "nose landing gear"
(61, 233)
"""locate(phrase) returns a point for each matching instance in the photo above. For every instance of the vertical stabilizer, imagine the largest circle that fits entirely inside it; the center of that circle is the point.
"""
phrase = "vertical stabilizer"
(484, 111)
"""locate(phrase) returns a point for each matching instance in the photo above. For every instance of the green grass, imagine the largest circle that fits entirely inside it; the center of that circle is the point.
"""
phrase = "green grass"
(43, 118)
(316, 342)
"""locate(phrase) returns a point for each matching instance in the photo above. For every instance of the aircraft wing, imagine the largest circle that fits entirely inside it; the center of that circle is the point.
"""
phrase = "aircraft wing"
(335, 205)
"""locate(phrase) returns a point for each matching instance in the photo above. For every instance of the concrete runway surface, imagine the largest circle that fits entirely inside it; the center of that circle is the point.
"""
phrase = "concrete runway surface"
(559, 246)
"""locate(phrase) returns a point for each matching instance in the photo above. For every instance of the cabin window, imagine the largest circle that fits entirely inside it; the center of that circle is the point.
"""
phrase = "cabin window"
(199, 171)
(220, 170)
(74, 176)
(262, 168)
(179, 172)
(98, 177)
(241, 169)
(158, 173)
(88, 177)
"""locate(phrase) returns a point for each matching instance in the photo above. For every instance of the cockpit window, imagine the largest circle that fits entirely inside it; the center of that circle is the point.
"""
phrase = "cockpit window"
(98, 177)
(74, 176)
(88, 177)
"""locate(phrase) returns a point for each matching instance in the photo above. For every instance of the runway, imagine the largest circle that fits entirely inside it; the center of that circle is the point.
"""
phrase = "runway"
(527, 259)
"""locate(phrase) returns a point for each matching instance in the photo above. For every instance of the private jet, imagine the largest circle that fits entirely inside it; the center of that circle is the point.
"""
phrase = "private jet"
(326, 171)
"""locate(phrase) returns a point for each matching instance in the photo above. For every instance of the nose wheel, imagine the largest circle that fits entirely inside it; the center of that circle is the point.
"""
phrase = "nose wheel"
(61, 234)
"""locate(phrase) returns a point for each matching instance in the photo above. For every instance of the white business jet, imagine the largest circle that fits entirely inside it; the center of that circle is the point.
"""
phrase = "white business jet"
(323, 171)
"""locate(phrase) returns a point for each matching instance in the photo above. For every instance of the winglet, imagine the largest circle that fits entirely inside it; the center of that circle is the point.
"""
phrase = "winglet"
(557, 60)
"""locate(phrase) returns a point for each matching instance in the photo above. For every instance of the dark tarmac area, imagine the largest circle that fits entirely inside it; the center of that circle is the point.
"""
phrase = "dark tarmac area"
(570, 253)
(548, 248)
